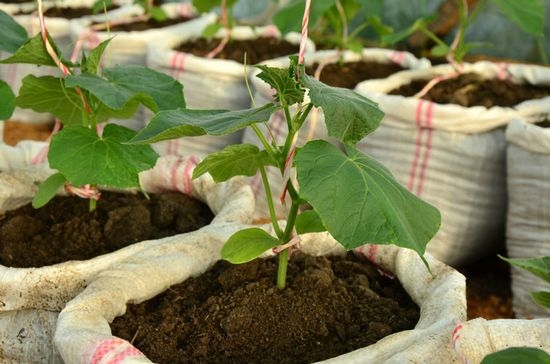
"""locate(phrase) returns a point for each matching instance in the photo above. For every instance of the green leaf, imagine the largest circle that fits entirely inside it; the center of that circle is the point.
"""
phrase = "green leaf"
(158, 14)
(541, 298)
(47, 94)
(518, 355)
(282, 80)
(48, 189)
(349, 117)
(360, 202)
(233, 160)
(13, 34)
(248, 244)
(100, 6)
(121, 84)
(537, 266)
(93, 61)
(8, 98)
(33, 51)
(211, 30)
(528, 14)
(309, 222)
(83, 157)
(186, 122)
(395, 37)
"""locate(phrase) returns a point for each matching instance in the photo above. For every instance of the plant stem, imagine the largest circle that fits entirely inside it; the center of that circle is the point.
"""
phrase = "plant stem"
(269, 198)
(291, 221)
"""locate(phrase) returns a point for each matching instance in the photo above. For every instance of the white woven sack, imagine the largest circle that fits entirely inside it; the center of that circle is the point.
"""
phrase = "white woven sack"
(452, 156)
(209, 83)
(131, 47)
(83, 334)
(475, 339)
(25, 154)
(314, 127)
(528, 218)
(35, 290)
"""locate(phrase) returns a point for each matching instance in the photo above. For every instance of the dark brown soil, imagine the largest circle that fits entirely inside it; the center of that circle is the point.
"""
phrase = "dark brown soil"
(472, 90)
(148, 24)
(64, 229)
(235, 313)
(15, 131)
(67, 12)
(256, 50)
(349, 74)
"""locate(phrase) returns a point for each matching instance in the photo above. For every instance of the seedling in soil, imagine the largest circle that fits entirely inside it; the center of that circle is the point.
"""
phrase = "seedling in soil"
(529, 15)
(85, 153)
(350, 195)
(226, 21)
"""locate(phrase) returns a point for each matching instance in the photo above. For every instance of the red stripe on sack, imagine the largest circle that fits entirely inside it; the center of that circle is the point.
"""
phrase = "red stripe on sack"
(456, 334)
(126, 353)
(177, 63)
(397, 57)
(503, 72)
(187, 175)
(372, 252)
(104, 348)
(418, 144)
(427, 146)
(174, 174)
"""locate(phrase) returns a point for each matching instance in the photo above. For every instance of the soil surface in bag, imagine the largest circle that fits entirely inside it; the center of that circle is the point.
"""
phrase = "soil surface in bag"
(256, 50)
(349, 74)
(472, 90)
(64, 229)
(236, 314)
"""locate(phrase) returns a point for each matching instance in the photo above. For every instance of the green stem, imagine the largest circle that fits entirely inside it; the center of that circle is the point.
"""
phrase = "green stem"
(270, 204)
(291, 221)
(92, 204)
(283, 267)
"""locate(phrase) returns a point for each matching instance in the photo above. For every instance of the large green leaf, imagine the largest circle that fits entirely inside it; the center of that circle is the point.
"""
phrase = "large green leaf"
(518, 355)
(187, 122)
(121, 84)
(288, 90)
(538, 266)
(248, 244)
(528, 14)
(33, 51)
(360, 202)
(7, 104)
(13, 34)
(349, 117)
(83, 157)
(233, 160)
(47, 94)
(309, 221)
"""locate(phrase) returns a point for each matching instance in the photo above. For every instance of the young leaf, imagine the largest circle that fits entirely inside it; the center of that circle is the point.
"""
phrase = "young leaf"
(349, 116)
(83, 157)
(542, 298)
(248, 244)
(288, 90)
(121, 84)
(233, 160)
(48, 189)
(309, 222)
(538, 266)
(8, 98)
(47, 94)
(518, 355)
(91, 63)
(186, 122)
(528, 14)
(13, 34)
(360, 202)
(33, 51)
